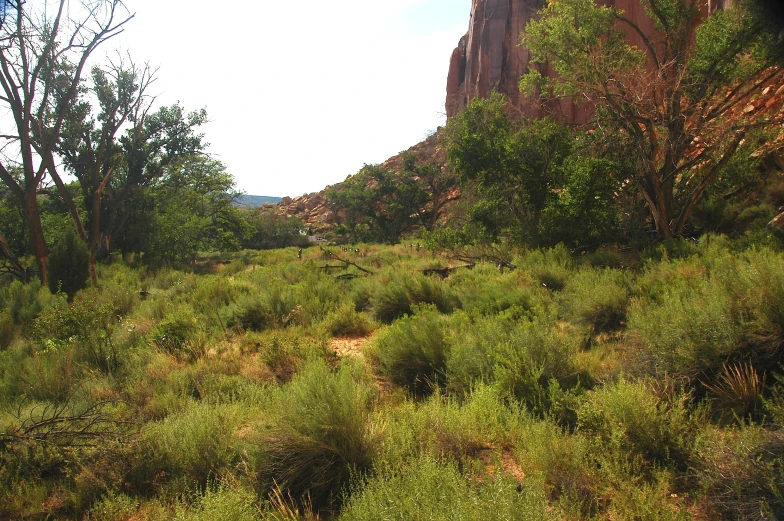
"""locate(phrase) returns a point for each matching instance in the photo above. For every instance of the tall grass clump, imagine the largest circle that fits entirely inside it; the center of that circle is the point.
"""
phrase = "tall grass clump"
(435, 490)
(413, 351)
(320, 437)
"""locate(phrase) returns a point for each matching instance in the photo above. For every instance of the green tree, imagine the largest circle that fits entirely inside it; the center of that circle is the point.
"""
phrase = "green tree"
(89, 144)
(69, 264)
(533, 182)
(271, 230)
(380, 205)
(676, 100)
(189, 209)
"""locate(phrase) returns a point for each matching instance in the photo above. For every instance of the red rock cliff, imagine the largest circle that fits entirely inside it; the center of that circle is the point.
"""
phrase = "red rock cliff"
(489, 58)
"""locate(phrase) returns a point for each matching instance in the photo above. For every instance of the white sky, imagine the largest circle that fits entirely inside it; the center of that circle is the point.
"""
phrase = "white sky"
(300, 94)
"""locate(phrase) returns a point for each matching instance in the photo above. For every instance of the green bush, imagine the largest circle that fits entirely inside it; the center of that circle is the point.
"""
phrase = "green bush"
(550, 266)
(435, 490)
(68, 265)
(191, 447)
(87, 325)
(413, 351)
(401, 293)
(7, 328)
(628, 420)
(346, 321)
(25, 301)
(686, 324)
(320, 436)
(597, 298)
(221, 503)
(536, 361)
(741, 472)
(485, 291)
(176, 330)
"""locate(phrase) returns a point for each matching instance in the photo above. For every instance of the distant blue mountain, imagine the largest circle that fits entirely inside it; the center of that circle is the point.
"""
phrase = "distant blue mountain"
(254, 201)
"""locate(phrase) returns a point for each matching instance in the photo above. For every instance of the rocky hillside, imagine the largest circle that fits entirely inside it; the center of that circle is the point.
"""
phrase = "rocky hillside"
(313, 210)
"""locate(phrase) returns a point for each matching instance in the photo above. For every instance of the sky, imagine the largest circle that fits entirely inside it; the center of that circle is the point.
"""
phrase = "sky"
(301, 94)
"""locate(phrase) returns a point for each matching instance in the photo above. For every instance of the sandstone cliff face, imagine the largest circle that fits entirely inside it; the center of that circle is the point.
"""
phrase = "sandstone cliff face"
(488, 58)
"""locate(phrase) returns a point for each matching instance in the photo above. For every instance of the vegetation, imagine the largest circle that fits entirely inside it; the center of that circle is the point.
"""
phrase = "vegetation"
(540, 358)
(618, 391)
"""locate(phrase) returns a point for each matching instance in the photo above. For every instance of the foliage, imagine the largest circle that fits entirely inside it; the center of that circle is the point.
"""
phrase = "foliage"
(380, 205)
(666, 94)
(435, 490)
(534, 184)
(68, 264)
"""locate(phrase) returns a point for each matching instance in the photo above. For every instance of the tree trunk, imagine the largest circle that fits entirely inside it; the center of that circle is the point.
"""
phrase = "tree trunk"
(36, 230)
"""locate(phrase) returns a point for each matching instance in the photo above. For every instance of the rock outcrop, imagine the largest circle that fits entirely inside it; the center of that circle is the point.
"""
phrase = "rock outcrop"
(489, 58)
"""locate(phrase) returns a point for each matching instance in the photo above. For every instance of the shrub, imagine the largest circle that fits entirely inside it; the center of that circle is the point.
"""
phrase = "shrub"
(321, 436)
(628, 420)
(400, 294)
(25, 301)
(191, 447)
(536, 357)
(68, 265)
(430, 489)
(87, 325)
(550, 266)
(219, 503)
(346, 321)
(597, 298)
(176, 330)
(7, 328)
(485, 291)
(413, 351)
(687, 327)
(741, 472)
